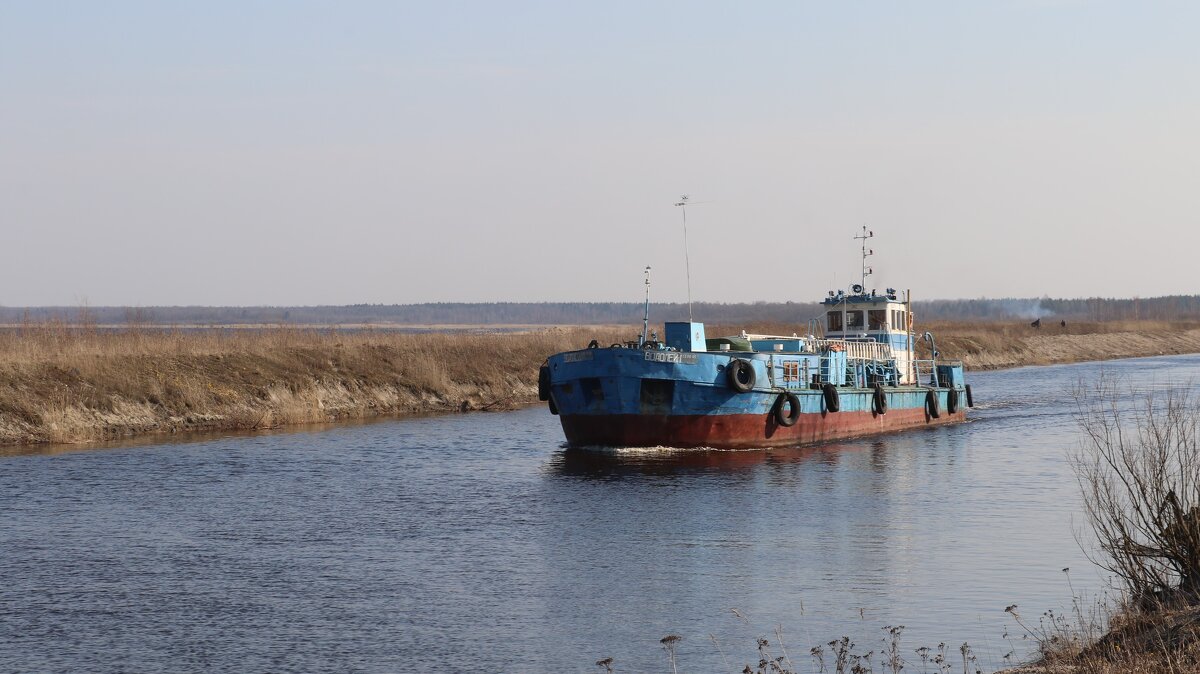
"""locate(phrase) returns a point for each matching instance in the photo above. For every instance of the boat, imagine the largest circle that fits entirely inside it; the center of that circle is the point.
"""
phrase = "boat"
(860, 376)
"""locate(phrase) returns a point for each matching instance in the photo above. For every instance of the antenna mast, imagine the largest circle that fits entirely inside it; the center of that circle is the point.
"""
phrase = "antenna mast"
(866, 271)
(646, 316)
(686, 260)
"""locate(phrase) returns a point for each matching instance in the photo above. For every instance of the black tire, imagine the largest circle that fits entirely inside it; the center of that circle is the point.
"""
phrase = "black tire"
(791, 403)
(952, 400)
(879, 400)
(970, 398)
(553, 407)
(544, 383)
(932, 407)
(740, 375)
(832, 402)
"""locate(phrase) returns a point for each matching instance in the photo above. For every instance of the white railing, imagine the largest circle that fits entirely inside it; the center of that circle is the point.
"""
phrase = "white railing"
(863, 349)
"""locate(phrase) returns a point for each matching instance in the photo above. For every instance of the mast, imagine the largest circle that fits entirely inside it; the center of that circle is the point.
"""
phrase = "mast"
(866, 271)
(682, 203)
(646, 316)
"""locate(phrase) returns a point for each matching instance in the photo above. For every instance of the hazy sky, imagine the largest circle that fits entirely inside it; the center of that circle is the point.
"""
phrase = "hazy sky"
(343, 152)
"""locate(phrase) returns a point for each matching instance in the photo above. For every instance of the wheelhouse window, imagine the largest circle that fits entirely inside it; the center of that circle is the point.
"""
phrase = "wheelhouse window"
(854, 319)
(877, 319)
(833, 321)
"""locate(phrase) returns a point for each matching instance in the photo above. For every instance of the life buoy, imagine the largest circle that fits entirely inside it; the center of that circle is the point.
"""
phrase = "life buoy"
(970, 398)
(879, 400)
(544, 383)
(791, 403)
(952, 400)
(832, 403)
(740, 375)
(932, 408)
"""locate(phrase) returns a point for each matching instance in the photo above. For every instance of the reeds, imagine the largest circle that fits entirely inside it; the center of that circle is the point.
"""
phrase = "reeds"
(63, 382)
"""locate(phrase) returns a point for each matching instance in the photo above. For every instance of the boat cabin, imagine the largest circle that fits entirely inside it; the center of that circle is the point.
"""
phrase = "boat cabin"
(870, 316)
(865, 315)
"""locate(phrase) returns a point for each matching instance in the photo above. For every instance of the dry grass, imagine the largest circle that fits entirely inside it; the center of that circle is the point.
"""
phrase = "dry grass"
(74, 382)
(70, 383)
(993, 345)
(1163, 640)
(989, 345)
(1159, 641)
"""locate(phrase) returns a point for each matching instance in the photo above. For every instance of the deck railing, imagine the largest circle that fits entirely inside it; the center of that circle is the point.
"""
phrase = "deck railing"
(864, 350)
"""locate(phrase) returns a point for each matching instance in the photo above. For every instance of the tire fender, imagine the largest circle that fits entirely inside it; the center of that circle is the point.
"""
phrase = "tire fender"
(739, 374)
(932, 408)
(832, 403)
(787, 410)
(879, 401)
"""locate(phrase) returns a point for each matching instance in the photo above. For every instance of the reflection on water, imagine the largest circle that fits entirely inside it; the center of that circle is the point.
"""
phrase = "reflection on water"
(478, 542)
(613, 464)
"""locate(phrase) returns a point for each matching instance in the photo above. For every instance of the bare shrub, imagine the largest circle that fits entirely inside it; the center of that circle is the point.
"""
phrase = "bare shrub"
(1139, 473)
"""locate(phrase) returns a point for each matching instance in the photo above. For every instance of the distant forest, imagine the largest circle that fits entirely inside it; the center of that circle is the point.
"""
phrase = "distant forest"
(1177, 307)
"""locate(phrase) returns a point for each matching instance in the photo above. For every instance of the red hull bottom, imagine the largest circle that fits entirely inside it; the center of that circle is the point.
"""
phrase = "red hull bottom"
(739, 431)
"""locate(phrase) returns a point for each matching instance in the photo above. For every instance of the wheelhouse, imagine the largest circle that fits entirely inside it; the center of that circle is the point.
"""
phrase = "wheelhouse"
(872, 317)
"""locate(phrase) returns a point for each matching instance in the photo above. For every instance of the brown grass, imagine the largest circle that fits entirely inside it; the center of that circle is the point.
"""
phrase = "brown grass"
(76, 383)
(989, 345)
(67, 383)
(1164, 640)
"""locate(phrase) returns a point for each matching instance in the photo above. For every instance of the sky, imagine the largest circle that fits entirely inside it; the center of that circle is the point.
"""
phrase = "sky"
(299, 153)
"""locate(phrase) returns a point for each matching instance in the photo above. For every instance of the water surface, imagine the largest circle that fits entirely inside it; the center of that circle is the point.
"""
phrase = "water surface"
(476, 542)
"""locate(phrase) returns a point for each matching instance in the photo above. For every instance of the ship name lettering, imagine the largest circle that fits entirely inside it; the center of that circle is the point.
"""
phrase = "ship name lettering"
(671, 357)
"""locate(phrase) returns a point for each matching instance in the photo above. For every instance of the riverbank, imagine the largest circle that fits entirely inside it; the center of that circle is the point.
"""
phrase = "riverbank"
(62, 384)
(1158, 641)
(67, 384)
(995, 345)
(992, 346)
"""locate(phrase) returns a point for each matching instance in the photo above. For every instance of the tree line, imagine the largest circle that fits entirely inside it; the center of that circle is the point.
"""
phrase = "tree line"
(1175, 307)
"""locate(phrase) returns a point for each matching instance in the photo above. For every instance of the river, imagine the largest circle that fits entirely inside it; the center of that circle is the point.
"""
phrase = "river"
(476, 542)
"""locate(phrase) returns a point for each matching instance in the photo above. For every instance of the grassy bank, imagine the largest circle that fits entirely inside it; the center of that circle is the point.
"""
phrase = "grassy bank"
(1159, 641)
(61, 383)
(990, 346)
(993, 345)
(65, 383)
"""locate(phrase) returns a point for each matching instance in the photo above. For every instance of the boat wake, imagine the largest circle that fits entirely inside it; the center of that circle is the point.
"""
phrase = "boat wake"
(657, 450)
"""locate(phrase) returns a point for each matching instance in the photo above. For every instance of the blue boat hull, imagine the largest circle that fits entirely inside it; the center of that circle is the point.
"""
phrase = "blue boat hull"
(627, 397)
